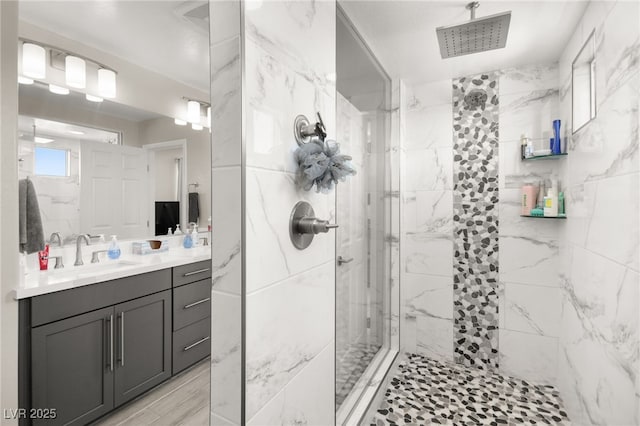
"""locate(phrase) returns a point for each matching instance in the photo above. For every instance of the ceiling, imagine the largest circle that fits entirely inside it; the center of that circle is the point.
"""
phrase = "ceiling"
(58, 130)
(402, 34)
(168, 37)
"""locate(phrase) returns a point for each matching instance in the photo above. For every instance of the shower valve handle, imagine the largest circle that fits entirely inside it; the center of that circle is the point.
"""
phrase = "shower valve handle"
(311, 225)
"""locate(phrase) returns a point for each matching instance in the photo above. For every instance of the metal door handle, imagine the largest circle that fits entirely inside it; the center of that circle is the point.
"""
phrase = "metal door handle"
(342, 260)
(110, 342)
(191, 305)
(122, 339)
(186, 348)
(199, 271)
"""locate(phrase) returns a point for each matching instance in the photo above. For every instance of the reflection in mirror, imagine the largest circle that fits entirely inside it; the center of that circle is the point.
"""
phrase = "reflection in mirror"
(110, 145)
(583, 85)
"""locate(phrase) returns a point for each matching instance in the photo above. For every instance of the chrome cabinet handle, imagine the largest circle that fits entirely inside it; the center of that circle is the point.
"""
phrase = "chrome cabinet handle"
(193, 345)
(342, 260)
(122, 339)
(199, 271)
(110, 342)
(191, 305)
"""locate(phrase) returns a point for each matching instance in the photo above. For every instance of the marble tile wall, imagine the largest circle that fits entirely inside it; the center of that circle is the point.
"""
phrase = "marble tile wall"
(289, 54)
(598, 338)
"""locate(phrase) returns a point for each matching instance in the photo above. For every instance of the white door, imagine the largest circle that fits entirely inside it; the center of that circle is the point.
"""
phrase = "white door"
(113, 198)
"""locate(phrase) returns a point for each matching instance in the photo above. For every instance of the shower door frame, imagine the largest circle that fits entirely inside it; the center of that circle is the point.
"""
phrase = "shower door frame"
(357, 404)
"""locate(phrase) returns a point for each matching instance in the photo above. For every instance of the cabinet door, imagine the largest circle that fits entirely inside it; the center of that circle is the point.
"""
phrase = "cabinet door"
(143, 345)
(72, 367)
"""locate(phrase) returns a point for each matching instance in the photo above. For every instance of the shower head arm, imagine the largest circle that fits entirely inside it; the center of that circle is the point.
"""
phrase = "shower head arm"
(472, 7)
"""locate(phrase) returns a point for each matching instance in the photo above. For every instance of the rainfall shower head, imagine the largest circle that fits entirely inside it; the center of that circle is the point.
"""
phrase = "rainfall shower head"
(477, 35)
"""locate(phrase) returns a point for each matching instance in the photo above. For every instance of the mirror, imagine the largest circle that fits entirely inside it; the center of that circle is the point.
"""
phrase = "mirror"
(583, 84)
(128, 165)
(103, 167)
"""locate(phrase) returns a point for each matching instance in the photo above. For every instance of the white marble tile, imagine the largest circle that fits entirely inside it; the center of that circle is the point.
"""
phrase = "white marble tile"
(434, 338)
(226, 355)
(528, 260)
(270, 197)
(429, 94)
(532, 309)
(428, 296)
(224, 20)
(429, 170)
(428, 212)
(226, 230)
(221, 421)
(409, 334)
(530, 113)
(528, 356)
(226, 108)
(287, 325)
(293, 405)
(528, 78)
(428, 254)
(615, 231)
(429, 127)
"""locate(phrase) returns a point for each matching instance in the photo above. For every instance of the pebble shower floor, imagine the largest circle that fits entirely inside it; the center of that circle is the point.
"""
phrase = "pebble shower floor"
(427, 392)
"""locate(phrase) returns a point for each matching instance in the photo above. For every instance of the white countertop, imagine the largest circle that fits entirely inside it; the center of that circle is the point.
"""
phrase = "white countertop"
(38, 282)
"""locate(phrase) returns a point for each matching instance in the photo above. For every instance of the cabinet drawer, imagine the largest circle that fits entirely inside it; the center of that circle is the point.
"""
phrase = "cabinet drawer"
(191, 273)
(191, 303)
(191, 344)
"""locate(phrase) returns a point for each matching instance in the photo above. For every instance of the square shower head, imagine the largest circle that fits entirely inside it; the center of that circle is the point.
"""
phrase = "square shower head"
(477, 35)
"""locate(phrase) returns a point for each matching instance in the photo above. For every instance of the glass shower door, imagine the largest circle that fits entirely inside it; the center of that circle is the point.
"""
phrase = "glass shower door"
(362, 210)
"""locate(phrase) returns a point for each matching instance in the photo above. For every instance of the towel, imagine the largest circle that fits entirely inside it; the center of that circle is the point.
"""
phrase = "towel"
(194, 207)
(30, 220)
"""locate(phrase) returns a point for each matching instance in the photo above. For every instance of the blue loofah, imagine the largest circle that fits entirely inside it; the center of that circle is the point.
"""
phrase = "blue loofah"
(320, 164)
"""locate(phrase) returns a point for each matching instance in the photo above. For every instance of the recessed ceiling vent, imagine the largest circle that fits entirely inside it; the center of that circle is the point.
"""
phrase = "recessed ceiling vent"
(474, 36)
(196, 13)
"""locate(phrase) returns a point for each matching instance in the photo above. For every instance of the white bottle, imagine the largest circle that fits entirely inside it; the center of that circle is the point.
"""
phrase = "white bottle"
(551, 201)
(178, 231)
(194, 237)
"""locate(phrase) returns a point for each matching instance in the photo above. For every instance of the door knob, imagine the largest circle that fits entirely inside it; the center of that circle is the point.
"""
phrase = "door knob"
(303, 225)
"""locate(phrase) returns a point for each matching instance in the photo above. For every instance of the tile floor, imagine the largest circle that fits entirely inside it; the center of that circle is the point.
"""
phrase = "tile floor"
(182, 400)
(350, 366)
(426, 392)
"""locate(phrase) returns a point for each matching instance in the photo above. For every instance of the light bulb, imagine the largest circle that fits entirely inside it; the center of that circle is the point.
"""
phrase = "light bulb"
(75, 72)
(193, 112)
(106, 83)
(92, 98)
(34, 63)
(58, 90)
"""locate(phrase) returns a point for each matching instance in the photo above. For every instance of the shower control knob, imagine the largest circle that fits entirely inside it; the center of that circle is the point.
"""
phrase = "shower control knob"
(303, 225)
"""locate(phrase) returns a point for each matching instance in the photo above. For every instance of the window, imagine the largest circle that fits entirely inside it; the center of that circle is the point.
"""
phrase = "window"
(51, 162)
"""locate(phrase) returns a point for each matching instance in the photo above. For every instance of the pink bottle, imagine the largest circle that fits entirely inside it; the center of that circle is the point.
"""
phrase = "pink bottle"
(529, 197)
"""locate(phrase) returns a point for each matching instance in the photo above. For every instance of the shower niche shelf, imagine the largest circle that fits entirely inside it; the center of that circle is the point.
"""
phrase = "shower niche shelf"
(546, 157)
(543, 217)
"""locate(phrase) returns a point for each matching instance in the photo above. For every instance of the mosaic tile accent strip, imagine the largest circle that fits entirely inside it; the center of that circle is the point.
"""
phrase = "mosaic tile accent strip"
(475, 219)
(427, 392)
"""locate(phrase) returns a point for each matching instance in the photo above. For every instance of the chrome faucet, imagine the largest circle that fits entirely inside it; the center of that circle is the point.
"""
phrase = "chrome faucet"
(85, 238)
(56, 236)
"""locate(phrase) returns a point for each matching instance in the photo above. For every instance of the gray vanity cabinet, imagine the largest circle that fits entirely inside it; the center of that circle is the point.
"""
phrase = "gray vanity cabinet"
(143, 345)
(72, 368)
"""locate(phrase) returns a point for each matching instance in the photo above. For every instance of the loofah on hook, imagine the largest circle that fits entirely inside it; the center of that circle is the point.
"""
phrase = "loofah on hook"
(321, 164)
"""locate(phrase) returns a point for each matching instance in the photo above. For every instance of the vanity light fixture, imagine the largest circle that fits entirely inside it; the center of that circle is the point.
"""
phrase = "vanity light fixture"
(76, 132)
(92, 98)
(193, 112)
(196, 126)
(34, 63)
(40, 139)
(209, 117)
(24, 80)
(58, 90)
(75, 70)
(107, 83)
(179, 122)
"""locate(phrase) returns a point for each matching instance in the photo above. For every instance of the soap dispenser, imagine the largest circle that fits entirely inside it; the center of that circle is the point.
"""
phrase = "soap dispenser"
(114, 249)
(177, 231)
(187, 241)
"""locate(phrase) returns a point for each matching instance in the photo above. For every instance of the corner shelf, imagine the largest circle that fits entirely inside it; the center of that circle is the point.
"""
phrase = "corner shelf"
(546, 157)
(544, 217)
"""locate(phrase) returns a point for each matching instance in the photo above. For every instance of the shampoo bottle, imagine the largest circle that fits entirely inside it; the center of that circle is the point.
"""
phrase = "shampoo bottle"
(114, 249)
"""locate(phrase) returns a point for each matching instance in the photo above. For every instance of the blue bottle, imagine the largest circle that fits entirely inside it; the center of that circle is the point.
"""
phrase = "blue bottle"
(114, 250)
(556, 139)
(187, 242)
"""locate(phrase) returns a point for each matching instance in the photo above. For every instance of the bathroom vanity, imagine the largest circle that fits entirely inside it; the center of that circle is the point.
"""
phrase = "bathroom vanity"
(86, 350)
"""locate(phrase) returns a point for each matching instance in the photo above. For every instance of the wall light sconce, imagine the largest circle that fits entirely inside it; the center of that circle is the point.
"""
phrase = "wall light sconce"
(209, 117)
(193, 112)
(92, 98)
(196, 126)
(179, 122)
(34, 62)
(107, 83)
(75, 72)
(24, 80)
